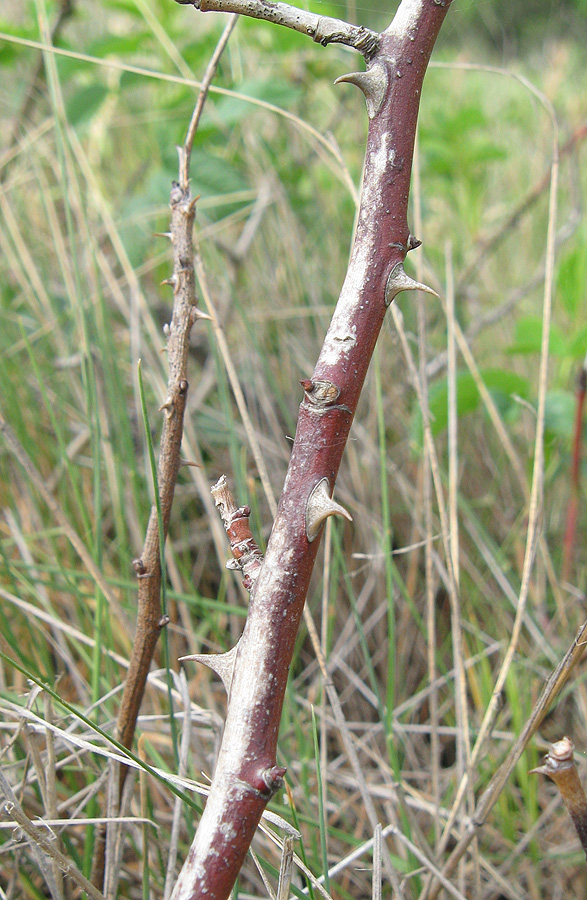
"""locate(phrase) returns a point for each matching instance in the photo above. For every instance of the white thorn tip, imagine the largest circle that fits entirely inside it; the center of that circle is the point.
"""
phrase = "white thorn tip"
(319, 507)
(398, 281)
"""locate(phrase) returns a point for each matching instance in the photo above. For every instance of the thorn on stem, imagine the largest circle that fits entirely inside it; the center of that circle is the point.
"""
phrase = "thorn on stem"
(220, 663)
(398, 281)
(373, 83)
(198, 314)
(319, 507)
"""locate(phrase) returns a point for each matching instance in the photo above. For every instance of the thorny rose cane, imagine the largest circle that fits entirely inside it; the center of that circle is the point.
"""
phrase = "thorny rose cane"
(246, 774)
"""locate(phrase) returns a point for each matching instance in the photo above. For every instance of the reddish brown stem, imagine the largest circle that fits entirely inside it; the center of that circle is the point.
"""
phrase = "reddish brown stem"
(246, 774)
(573, 507)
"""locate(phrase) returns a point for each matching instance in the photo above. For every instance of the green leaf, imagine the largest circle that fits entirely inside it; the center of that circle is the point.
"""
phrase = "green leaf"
(85, 103)
(559, 414)
(121, 45)
(231, 110)
(214, 175)
(501, 383)
(528, 338)
(572, 279)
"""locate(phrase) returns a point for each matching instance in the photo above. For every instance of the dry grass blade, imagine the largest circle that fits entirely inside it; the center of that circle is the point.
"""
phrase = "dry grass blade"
(285, 869)
(415, 602)
(36, 478)
(489, 798)
(44, 846)
(235, 384)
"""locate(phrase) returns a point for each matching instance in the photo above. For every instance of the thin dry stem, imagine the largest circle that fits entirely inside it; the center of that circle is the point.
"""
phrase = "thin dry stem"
(20, 454)
(43, 845)
(285, 869)
(490, 796)
(235, 384)
(184, 162)
(455, 606)
(348, 743)
(427, 508)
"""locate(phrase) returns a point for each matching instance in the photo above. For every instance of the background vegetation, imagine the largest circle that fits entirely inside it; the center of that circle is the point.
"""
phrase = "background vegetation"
(87, 155)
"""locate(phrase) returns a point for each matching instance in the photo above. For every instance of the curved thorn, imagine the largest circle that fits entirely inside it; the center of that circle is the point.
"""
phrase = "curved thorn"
(373, 83)
(319, 507)
(398, 281)
(220, 663)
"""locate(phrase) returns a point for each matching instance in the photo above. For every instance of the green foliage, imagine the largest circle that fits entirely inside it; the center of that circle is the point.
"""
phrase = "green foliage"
(505, 388)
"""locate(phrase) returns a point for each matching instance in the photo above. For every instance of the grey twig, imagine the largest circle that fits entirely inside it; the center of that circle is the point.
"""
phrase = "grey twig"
(322, 29)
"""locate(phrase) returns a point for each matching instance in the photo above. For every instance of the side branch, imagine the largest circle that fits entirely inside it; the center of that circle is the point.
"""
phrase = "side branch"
(150, 620)
(246, 554)
(322, 29)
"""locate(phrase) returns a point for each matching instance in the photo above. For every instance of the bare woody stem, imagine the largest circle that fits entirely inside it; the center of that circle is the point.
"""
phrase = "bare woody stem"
(246, 774)
(322, 29)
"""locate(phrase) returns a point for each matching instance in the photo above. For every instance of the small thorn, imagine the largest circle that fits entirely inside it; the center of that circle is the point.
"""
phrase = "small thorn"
(192, 204)
(220, 663)
(398, 281)
(172, 281)
(539, 770)
(319, 507)
(198, 314)
(373, 83)
(165, 234)
(167, 405)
